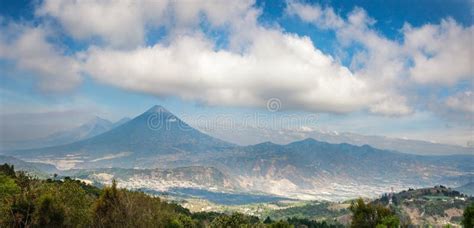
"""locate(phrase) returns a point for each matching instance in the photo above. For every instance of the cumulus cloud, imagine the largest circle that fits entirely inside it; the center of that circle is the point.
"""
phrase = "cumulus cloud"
(380, 60)
(441, 53)
(260, 62)
(461, 102)
(124, 23)
(433, 54)
(379, 64)
(325, 18)
(29, 49)
(118, 23)
(257, 63)
(392, 106)
(275, 65)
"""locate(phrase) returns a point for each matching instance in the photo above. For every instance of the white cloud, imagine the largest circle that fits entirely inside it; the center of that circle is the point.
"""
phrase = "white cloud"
(275, 65)
(260, 63)
(119, 23)
(325, 18)
(441, 53)
(379, 61)
(392, 106)
(380, 64)
(461, 102)
(29, 48)
(124, 23)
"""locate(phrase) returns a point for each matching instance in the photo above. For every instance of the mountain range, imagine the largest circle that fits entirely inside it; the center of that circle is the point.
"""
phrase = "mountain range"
(136, 143)
(397, 144)
(305, 169)
(35, 168)
(93, 127)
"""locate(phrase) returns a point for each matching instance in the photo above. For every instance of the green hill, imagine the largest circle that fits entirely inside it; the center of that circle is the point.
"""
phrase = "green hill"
(438, 205)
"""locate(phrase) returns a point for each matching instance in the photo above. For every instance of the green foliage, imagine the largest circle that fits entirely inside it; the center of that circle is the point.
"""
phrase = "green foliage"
(8, 187)
(76, 203)
(7, 170)
(234, 221)
(280, 224)
(318, 211)
(29, 202)
(389, 221)
(433, 203)
(49, 212)
(122, 208)
(109, 209)
(468, 216)
(303, 222)
(268, 220)
(369, 215)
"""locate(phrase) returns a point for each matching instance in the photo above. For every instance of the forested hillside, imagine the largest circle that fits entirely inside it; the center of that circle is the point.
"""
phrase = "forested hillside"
(31, 202)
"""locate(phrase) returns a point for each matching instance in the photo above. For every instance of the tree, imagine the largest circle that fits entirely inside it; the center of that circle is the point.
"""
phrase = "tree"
(108, 209)
(468, 216)
(389, 221)
(76, 202)
(268, 220)
(236, 220)
(23, 204)
(280, 224)
(49, 212)
(368, 215)
(8, 189)
(8, 170)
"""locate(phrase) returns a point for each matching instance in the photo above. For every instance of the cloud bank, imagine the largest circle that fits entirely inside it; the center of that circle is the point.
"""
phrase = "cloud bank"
(254, 62)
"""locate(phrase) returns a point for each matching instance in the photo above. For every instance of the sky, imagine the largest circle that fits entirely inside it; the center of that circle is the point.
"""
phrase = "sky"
(243, 71)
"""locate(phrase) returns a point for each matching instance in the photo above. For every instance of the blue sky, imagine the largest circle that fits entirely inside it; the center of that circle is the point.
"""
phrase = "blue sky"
(395, 68)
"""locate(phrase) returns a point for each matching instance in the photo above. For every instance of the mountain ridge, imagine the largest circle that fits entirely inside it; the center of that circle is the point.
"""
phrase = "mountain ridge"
(154, 132)
(303, 169)
(410, 146)
(89, 129)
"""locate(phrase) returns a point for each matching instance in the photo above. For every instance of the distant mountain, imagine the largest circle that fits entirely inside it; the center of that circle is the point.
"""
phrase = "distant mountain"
(38, 169)
(87, 130)
(136, 143)
(120, 122)
(387, 143)
(313, 169)
(467, 189)
(90, 129)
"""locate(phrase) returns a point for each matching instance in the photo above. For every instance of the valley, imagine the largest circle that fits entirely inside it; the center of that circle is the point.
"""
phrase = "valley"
(160, 155)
